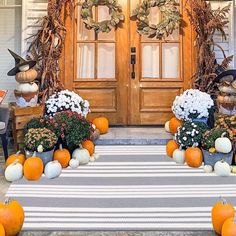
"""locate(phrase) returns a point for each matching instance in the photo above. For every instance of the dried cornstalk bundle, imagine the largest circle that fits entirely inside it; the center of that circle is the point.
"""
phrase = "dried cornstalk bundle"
(47, 45)
(206, 22)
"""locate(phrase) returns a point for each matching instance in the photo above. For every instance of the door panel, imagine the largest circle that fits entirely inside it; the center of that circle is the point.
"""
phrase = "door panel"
(97, 66)
(161, 72)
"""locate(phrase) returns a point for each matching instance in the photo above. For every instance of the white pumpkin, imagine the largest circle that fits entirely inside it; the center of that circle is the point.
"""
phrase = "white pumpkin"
(82, 155)
(223, 144)
(24, 67)
(14, 171)
(74, 163)
(179, 156)
(222, 168)
(52, 169)
(208, 168)
(28, 87)
(167, 126)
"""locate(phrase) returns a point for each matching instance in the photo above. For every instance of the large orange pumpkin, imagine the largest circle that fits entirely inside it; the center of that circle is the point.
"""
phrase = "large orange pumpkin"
(89, 145)
(193, 157)
(220, 212)
(11, 217)
(12, 158)
(174, 124)
(63, 156)
(33, 168)
(229, 227)
(102, 124)
(2, 230)
(170, 147)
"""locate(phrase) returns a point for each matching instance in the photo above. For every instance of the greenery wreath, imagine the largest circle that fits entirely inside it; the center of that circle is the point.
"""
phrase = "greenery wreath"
(104, 26)
(170, 18)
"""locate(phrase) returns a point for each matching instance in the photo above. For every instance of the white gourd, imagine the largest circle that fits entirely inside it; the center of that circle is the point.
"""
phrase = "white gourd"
(167, 126)
(52, 169)
(14, 171)
(82, 155)
(223, 144)
(179, 156)
(27, 87)
(222, 168)
(208, 168)
(74, 163)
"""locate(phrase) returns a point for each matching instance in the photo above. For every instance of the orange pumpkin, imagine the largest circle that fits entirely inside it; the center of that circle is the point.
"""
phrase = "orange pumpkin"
(229, 227)
(33, 168)
(220, 212)
(11, 217)
(2, 230)
(26, 76)
(170, 147)
(89, 145)
(174, 124)
(63, 156)
(12, 158)
(193, 157)
(102, 124)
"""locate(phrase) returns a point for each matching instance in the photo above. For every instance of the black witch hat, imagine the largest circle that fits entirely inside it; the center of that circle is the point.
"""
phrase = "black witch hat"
(19, 61)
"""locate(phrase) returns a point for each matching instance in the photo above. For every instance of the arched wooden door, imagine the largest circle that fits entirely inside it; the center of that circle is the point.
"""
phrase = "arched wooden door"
(98, 67)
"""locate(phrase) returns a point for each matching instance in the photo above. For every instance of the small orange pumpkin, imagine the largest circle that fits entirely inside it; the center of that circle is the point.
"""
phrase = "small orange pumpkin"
(170, 147)
(193, 157)
(174, 124)
(63, 156)
(2, 230)
(229, 227)
(26, 76)
(220, 212)
(89, 145)
(33, 168)
(12, 158)
(102, 124)
(11, 217)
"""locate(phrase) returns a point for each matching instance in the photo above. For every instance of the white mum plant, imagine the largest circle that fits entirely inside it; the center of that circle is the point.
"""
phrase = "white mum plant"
(67, 100)
(192, 104)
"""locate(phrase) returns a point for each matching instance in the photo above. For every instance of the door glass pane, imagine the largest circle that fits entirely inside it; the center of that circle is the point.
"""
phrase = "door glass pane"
(85, 60)
(103, 14)
(174, 35)
(14, 2)
(150, 60)
(1, 2)
(170, 60)
(106, 60)
(154, 16)
(82, 32)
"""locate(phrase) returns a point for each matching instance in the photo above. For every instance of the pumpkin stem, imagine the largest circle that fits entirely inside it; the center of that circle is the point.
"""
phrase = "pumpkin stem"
(34, 154)
(60, 146)
(15, 162)
(18, 152)
(6, 201)
(223, 200)
(223, 135)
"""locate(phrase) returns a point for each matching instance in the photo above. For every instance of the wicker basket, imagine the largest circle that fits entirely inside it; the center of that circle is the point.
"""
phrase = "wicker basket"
(212, 158)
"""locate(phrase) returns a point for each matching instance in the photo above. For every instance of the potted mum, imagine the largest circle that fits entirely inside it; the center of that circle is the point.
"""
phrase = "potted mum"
(216, 146)
(190, 134)
(42, 141)
(66, 100)
(193, 105)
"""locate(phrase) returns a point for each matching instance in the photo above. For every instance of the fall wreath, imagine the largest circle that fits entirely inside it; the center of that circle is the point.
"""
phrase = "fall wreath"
(104, 26)
(170, 18)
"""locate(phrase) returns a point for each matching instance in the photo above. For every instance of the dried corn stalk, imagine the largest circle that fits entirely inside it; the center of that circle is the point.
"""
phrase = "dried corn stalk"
(47, 45)
(206, 22)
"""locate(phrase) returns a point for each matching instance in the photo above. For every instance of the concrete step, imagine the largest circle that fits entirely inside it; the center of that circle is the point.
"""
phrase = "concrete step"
(135, 136)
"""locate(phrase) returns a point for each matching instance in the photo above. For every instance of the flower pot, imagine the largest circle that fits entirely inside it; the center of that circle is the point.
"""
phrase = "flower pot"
(212, 158)
(45, 156)
(26, 99)
(203, 120)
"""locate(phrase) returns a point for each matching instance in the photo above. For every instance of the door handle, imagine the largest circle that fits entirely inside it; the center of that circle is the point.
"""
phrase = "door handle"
(133, 62)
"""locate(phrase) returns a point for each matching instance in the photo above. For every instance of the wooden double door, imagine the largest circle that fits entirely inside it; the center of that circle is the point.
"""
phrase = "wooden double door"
(99, 67)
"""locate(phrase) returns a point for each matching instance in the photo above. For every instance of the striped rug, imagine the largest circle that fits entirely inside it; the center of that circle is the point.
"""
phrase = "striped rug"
(127, 188)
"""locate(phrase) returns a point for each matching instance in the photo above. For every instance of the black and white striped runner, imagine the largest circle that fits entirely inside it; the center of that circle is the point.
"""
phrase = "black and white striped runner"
(127, 188)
